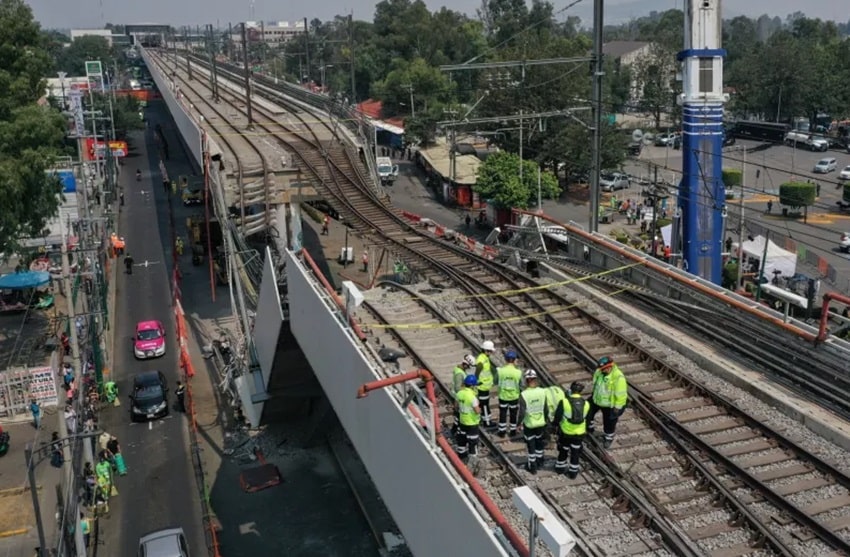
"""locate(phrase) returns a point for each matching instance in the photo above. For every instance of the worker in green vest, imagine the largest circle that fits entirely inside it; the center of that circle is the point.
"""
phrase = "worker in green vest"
(469, 415)
(484, 374)
(459, 374)
(610, 394)
(534, 417)
(508, 378)
(571, 416)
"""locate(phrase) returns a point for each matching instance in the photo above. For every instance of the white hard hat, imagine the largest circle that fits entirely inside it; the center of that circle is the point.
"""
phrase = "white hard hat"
(488, 345)
(530, 374)
(469, 360)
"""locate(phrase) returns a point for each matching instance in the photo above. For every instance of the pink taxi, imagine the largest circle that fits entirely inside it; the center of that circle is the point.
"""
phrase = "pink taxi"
(149, 340)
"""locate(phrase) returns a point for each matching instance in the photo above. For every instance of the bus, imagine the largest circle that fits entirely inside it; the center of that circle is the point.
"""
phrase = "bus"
(765, 131)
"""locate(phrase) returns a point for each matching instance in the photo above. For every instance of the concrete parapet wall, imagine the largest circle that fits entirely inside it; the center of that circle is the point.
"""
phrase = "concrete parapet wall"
(430, 507)
(183, 117)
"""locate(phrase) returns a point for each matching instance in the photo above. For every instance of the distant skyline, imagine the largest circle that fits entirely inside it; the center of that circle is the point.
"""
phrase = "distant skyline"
(85, 14)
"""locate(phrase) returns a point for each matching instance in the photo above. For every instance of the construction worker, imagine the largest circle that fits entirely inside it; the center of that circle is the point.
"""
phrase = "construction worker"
(459, 374)
(325, 224)
(610, 394)
(469, 414)
(571, 417)
(554, 395)
(484, 374)
(534, 416)
(365, 260)
(113, 244)
(508, 378)
(181, 396)
(178, 245)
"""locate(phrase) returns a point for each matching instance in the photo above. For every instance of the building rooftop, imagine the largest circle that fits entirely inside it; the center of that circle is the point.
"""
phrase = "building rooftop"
(466, 166)
(618, 49)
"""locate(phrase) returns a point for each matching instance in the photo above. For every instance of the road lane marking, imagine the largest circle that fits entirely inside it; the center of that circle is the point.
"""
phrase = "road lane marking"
(150, 426)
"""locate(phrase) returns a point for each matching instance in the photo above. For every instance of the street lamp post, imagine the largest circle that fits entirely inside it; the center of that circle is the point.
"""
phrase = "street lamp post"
(33, 458)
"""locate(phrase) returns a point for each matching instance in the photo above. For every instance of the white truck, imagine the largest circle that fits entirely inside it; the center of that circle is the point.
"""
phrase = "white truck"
(386, 170)
(811, 142)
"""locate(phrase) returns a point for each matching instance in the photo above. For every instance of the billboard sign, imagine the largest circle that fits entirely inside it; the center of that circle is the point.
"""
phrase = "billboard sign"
(42, 386)
(94, 73)
(75, 101)
(98, 149)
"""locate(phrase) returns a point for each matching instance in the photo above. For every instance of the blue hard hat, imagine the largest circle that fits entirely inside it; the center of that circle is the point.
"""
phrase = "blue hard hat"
(470, 380)
(605, 361)
(510, 355)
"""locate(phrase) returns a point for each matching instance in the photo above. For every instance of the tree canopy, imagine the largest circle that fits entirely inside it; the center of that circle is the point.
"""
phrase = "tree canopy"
(72, 59)
(30, 134)
(499, 181)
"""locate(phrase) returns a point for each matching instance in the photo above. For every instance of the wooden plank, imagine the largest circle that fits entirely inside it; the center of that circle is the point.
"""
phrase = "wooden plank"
(827, 505)
(686, 404)
(732, 437)
(764, 460)
(669, 394)
(736, 550)
(797, 487)
(744, 448)
(710, 531)
(714, 426)
(786, 472)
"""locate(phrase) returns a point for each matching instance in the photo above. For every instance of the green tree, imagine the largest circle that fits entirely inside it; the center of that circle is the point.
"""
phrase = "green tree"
(89, 47)
(499, 182)
(30, 135)
(655, 73)
(125, 113)
(415, 80)
(798, 194)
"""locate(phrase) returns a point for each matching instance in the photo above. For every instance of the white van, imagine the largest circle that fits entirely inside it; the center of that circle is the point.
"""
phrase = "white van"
(386, 170)
(825, 166)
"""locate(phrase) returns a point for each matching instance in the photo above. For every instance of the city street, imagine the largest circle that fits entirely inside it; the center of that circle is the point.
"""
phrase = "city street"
(160, 489)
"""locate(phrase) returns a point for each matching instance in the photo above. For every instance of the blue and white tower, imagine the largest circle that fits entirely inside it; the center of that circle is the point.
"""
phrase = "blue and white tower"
(702, 196)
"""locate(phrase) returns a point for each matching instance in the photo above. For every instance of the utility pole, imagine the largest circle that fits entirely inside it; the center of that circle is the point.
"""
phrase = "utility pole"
(596, 107)
(307, 51)
(351, 55)
(230, 54)
(189, 52)
(409, 87)
(247, 75)
(213, 65)
(741, 222)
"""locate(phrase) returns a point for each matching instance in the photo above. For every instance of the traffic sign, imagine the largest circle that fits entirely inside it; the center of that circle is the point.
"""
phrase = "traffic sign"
(94, 68)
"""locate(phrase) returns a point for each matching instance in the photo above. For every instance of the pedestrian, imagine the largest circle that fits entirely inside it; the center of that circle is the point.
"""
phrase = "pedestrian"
(165, 185)
(769, 205)
(85, 528)
(365, 260)
(469, 416)
(667, 253)
(534, 417)
(610, 394)
(484, 374)
(326, 222)
(729, 244)
(57, 458)
(35, 410)
(117, 458)
(70, 419)
(467, 220)
(121, 197)
(128, 263)
(66, 343)
(817, 189)
(508, 379)
(181, 396)
(571, 417)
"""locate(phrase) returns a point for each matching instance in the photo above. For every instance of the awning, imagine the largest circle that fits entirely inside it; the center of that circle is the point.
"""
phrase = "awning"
(22, 281)
(381, 125)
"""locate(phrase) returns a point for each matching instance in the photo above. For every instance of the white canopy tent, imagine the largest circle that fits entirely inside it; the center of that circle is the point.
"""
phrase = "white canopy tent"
(777, 258)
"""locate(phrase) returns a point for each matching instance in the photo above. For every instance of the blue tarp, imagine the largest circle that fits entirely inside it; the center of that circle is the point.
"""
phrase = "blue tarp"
(22, 281)
(66, 176)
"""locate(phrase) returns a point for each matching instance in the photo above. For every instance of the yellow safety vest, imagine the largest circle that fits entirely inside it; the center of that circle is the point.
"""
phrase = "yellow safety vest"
(554, 395)
(458, 375)
(466, 399)
(568, 427)
(535, 407)
(509, 378)
(610, 390)
(485, 378)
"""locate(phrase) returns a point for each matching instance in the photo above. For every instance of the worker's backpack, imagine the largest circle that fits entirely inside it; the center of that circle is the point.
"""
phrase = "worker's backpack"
(576, 416)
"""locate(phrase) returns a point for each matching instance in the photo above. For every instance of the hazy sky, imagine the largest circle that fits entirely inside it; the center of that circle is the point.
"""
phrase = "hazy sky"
(94, 13)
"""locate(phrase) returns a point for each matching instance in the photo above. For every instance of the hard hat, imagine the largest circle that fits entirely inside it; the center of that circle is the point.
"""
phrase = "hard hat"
(470, 380)
(605, 361)
(576, 387)
(469, 360)
(530, 374)
(510, 355)
(488, 345)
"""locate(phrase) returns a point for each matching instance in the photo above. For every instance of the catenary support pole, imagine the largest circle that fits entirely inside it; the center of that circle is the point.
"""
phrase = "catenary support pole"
(36, 507)
(351, 56)
(247, 74)
(741, 223)
(596, 107)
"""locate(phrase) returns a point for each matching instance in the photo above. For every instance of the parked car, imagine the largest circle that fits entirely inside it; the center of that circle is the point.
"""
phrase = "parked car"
(613, 181)
(844, 174)
(194, 196)
(164, 543)
(825, 166)
(844, 243)
(149, 398)
(810, 142)
(149, 340)
(665, 139)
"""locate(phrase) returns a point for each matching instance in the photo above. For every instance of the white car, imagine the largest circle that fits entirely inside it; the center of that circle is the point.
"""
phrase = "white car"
(844, 174)
(824, 166)
(844, 244)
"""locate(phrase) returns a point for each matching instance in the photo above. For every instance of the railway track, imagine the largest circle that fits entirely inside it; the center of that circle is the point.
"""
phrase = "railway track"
(725, 483)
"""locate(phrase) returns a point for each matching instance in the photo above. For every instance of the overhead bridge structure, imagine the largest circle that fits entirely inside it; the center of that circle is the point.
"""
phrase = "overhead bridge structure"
(392, 429)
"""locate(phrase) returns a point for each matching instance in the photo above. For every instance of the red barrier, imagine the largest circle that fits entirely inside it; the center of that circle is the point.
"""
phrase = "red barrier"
(411, 216)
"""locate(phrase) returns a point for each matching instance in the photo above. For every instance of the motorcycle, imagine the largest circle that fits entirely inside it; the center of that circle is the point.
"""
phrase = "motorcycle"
(4, 443)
